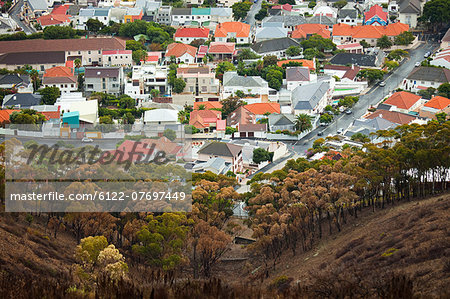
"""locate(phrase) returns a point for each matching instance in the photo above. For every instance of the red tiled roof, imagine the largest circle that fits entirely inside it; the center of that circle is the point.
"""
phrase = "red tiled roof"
(352, 72)
(178, 50)
(204, 118)
(369, 31)
(115, 52)
(375, 10)
(53, 19)
(261, 108)
(241, 29)
(393, 116)
(192, 32)
(60, 9)
(52, 114)
(349, 46)
(4, 115)
(286, 7)
(438, 102)
(221, 48)
(402, 99)
(305, 62)
(59, 71)
(303, 30)
(208, 105)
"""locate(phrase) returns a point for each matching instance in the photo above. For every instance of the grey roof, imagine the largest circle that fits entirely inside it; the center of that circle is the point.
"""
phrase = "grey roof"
(220, 149)
(367, 126)
(181, 11)
(434, 74)
(353, 58)
(348, 11)
(59, 80)
(101, 12)
(273, 45)
(221, 11)
(410, 6)
(86, 12)
(24, 100)
(38, 4)
(233, 79)
(307, 97)
(22, 58)
(12, 79)
(289, 21)
(325, 20)
(272, 24)
(101, 72)
(252, 127)
(297, 73)
(271, 32)
(217, 164)
(281, 119)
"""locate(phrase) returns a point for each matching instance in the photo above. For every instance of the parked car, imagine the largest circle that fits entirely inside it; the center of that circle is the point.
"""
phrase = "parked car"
(87, 140)
(320, 133)
(427, 54)
(340, 131)
(418, 63)
(348, 111)
(382, 84)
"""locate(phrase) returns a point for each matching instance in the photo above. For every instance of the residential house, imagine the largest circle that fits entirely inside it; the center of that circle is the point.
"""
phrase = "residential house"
(161, 117)
(265, 33)
(351, 48)
(276, 47)
(5, 115)
(132, 14)
(369, 126)
(37, 60)
(221, 14)
(304, 31)
(233, 31)
(181, 52)
(280, 122)
(117, 14)
(442, 58)
(231, 153)
(232, 82)
(58, 17)
(348, 83)
(21, 100)
(409, 11)
(310, 64)
(403, 101)
(7, 24)
(207, 105)
(311, 99)
(214, 165)
(322, 9)
(298, 75)
(62, 77)
(199, 79)
(361, 60)
(261, 110)
(393, 116)
(145, 78)
(76, 108)
(324, 20)
(188, 35)
(207, 120)
(100, 14)
(240, 116)
(423, 77)
(33, 9)
(181, 16)
(201, 15)
(343, 33)
(434, 106)
(251, 131)
(227, 3)
(376, 16)
(117, 58)
(289, 22)
(22, 83)
(164, 15)
(222, 50)
(348, 15)
(103, 79)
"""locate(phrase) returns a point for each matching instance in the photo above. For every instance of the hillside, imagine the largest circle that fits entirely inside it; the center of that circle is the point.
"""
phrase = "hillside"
(410, 240)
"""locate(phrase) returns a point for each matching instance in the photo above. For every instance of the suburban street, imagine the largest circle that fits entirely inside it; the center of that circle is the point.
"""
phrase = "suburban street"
(373, 97)
(250, 19)
(15, 15)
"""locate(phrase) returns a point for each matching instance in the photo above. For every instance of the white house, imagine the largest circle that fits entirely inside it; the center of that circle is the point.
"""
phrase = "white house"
(299, 75)
(312, 98)
(422, 78)
(232, 82)
(161, 117)
(117, 58)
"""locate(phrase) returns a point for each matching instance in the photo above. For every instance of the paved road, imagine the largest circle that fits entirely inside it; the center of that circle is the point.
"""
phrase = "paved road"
(373, 97)
(15, 15)
(250, 19)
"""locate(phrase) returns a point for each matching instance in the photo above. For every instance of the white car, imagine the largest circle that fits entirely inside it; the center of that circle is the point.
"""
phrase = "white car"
(382, 84)
(87, 140)
(340, 131)
(418, 64)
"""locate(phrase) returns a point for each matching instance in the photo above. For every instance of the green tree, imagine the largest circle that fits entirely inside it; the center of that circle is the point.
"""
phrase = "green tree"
(178, 85)
(230, 130)
(427, 93)
(49, 94)
(436, 13)
(133, 28)
(398, 54)
(360, 137)
(139, 55)
(154, 93)
(261, 155)
(170, 134)
(126, 102)
(94, 25)
(364, 44)
(391, 64)
(230, 104)
(240, 10)
(262, 13)
(246, 53)
(339, 4)
(106, 120)
(441, 117)
(318, 42)
(326, 118)
(89, 249)
(310, 53)
(372, 75)
(384, 42)
(270, 60)
(58, 32)
(444, 90)
(293, 51)
(303, 122)
(134, 45)
(405, 38)
(223, 67)
(129, 118)
(311, 4)
(77, 63)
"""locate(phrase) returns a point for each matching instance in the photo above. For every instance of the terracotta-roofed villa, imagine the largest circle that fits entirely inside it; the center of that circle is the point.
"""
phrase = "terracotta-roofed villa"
(227, 31)
(181, 52)
(404, 101)
(188, 35)
(304, 31)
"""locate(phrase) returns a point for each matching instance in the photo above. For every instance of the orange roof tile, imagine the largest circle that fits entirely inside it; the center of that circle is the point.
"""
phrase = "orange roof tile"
(192, 32)
(208, 105)
(375, 10)
(305, 62)
(202, 118)
(53, 19)
(221, 48)
(178, 50)
(59, 71)
(438, 102)
(303, 30)
(261, 108)
(369, 31)
(402, 99)
(4, 115)
(241, 29)
(393, 116)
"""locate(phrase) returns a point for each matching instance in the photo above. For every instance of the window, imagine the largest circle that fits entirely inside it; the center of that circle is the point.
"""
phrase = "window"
(89, 60)
(191, 88)
(79, 52)
(90, 86)
(42, 68)
(89, 52)
(99, 51)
